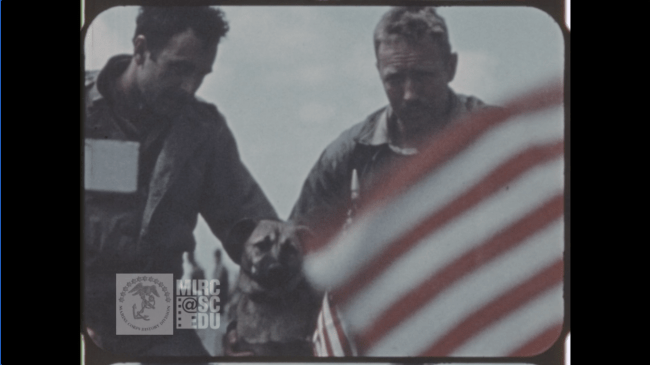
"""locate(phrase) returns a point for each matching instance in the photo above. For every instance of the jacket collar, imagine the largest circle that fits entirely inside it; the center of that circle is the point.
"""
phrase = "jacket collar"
(375, 131)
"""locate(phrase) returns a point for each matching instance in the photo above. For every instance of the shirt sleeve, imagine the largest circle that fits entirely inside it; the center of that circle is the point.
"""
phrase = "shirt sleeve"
(324, 198)
(230, 192)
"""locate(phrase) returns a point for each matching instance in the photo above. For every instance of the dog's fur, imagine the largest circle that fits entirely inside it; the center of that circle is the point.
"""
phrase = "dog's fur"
(276, 309)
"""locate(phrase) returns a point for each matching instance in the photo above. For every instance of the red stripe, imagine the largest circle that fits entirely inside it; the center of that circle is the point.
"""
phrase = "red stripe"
(496, 309)
(498, 178)
(441, 148)
(539, 343)
(448, 143)
(506, 239)
(543, 97)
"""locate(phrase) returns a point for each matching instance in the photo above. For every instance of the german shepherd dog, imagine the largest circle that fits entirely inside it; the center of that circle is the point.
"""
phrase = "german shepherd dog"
(276, 309)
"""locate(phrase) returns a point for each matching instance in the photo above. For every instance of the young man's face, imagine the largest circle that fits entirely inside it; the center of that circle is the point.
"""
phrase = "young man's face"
(172, 78)
(415, 78)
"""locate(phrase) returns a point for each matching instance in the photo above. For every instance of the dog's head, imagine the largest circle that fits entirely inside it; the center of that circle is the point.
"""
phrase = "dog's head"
(269, 252)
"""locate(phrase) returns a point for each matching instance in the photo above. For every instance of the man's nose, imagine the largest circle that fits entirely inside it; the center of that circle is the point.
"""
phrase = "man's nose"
(411, 89)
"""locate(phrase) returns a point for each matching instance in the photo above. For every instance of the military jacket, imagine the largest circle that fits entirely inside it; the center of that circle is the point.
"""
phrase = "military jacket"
(195, 169)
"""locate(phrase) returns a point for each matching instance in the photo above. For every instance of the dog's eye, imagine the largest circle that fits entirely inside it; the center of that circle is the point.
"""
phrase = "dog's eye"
(265, 244)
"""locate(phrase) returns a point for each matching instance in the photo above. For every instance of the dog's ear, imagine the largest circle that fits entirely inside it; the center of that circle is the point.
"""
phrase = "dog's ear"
(240, 232)
(305, 235)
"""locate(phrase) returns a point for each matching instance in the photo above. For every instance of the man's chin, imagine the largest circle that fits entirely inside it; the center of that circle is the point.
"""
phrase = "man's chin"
(416, 120)
(424, 120)
(169, 109)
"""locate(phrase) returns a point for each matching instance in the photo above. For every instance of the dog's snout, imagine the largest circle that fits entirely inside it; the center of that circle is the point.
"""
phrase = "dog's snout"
(287, 249)
(274, 269)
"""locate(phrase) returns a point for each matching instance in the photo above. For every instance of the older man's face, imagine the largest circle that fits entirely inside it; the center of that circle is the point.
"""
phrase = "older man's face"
(415, 78)
(170, 80)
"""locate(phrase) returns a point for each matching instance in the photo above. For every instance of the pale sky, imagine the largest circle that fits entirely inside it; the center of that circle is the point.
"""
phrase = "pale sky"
(290, 79)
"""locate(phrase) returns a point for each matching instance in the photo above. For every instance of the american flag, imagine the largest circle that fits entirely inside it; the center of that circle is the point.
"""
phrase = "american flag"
(460, 253)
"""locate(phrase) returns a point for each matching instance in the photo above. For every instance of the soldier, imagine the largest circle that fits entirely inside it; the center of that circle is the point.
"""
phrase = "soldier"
(416, 65)
(187, 163)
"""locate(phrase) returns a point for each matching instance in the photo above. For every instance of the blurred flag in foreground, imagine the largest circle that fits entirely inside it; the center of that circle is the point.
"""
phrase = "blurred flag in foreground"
(460, 253)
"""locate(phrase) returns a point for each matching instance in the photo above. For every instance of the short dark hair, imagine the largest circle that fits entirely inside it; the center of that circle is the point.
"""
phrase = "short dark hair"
(159, 24)
(413, 23)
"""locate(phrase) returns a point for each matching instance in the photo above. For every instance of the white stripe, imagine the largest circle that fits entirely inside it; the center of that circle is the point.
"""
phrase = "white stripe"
(315, 341)
(318, 340)
(567, 349)
(454, 304)
(450, 242)
(519, 327)
(331, 330)
(472, 164)
(323, 349)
